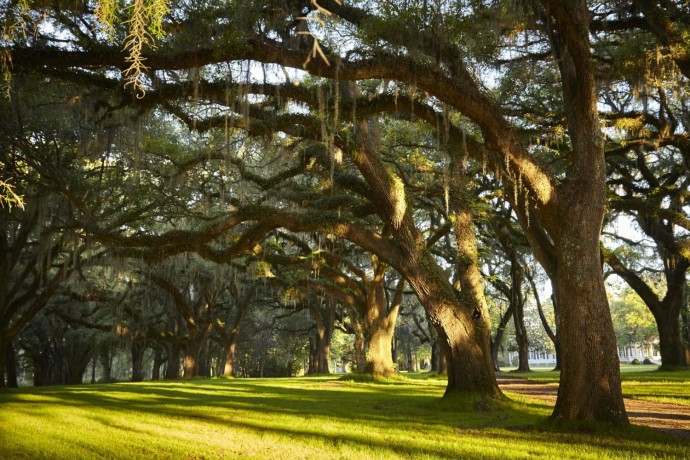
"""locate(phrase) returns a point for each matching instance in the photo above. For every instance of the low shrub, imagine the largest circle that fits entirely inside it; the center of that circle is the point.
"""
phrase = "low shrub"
(635, 361)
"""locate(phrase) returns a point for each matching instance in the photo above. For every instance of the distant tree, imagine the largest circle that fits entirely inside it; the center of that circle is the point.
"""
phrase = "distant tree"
(633, 322)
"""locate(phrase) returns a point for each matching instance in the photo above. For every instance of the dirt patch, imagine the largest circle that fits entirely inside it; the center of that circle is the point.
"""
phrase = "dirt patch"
(672, 418)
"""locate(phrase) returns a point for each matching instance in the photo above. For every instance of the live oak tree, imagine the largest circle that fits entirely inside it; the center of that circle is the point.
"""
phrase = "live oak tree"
(38, 252)
(648, 161)
(358, 282)
(634, 323)
(508, 242)
(240, 294)
(436, 50)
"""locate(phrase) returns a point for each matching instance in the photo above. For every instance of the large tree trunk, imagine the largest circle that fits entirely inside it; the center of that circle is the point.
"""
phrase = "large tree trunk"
(2, 370)
(435, 352)
(229, 370)
(590, 379)
(57, 375)
(320, 353)
(158, 361)
(517, 299)
(590, 387)
(379, 357)
(460, 318)
(40, 372)
(192, 351)
(10, 365)
(326, 346)
(94, 365)
(75, 370)
(172, 371)
(137, 352)
(521, 336)
(360, 354)
(411, 367)
(75, 374)
(44, 372)
(463, 329)
(667, 318)
(189, 364)
(685, 315)
(667, 312)
(204, 364)
(380, 326)
(78, 353)
(106, 360)
(442, 362)
(668, 315)
(497, 341)
(313, 359)
(190, 359)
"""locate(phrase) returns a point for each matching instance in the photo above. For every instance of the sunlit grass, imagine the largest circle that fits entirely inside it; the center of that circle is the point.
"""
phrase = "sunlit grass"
(639, 382)
(297, 418)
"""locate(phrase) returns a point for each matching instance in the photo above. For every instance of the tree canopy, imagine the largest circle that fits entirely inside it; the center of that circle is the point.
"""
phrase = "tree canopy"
(336, 155)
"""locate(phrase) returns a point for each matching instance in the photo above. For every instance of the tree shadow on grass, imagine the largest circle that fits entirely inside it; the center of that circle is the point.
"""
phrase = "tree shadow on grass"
(303, 409)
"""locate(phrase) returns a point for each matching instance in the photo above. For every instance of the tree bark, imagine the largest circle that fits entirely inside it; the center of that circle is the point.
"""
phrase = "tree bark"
(667, 312)
(11, 366)
(667, 318)
(322, 343)
(229, 369)
(685, 316)
(42, 374)
(189, 364)
(542, 317)
(668, 315)
(498, 337)
(590, 387)
(158, 361)
(435, 351)
(360, 354)
(462, 330)
(379, 357)
(106, 360)
(76, 370)
(137, 352)
(204, 361)
(461, 319)
(380, 325)
(313, 356)
(442, 362)
(519, 318)
(326, 349)
(557, 341)
(3, 384)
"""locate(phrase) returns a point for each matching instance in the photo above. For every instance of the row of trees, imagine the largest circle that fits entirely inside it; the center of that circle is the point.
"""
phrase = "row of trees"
(422, 146)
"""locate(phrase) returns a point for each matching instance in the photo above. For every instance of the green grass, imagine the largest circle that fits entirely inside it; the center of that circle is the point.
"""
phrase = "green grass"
(639, 382)
(297, 418)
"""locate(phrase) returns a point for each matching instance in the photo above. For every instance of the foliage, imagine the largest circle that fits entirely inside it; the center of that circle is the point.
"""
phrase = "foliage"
(632, 320)
(154, 188)
(145, 22)
(8, 197)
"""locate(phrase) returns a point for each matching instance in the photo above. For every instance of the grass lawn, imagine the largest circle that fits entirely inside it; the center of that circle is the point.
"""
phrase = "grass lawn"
(297, 418)
(639, 382)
